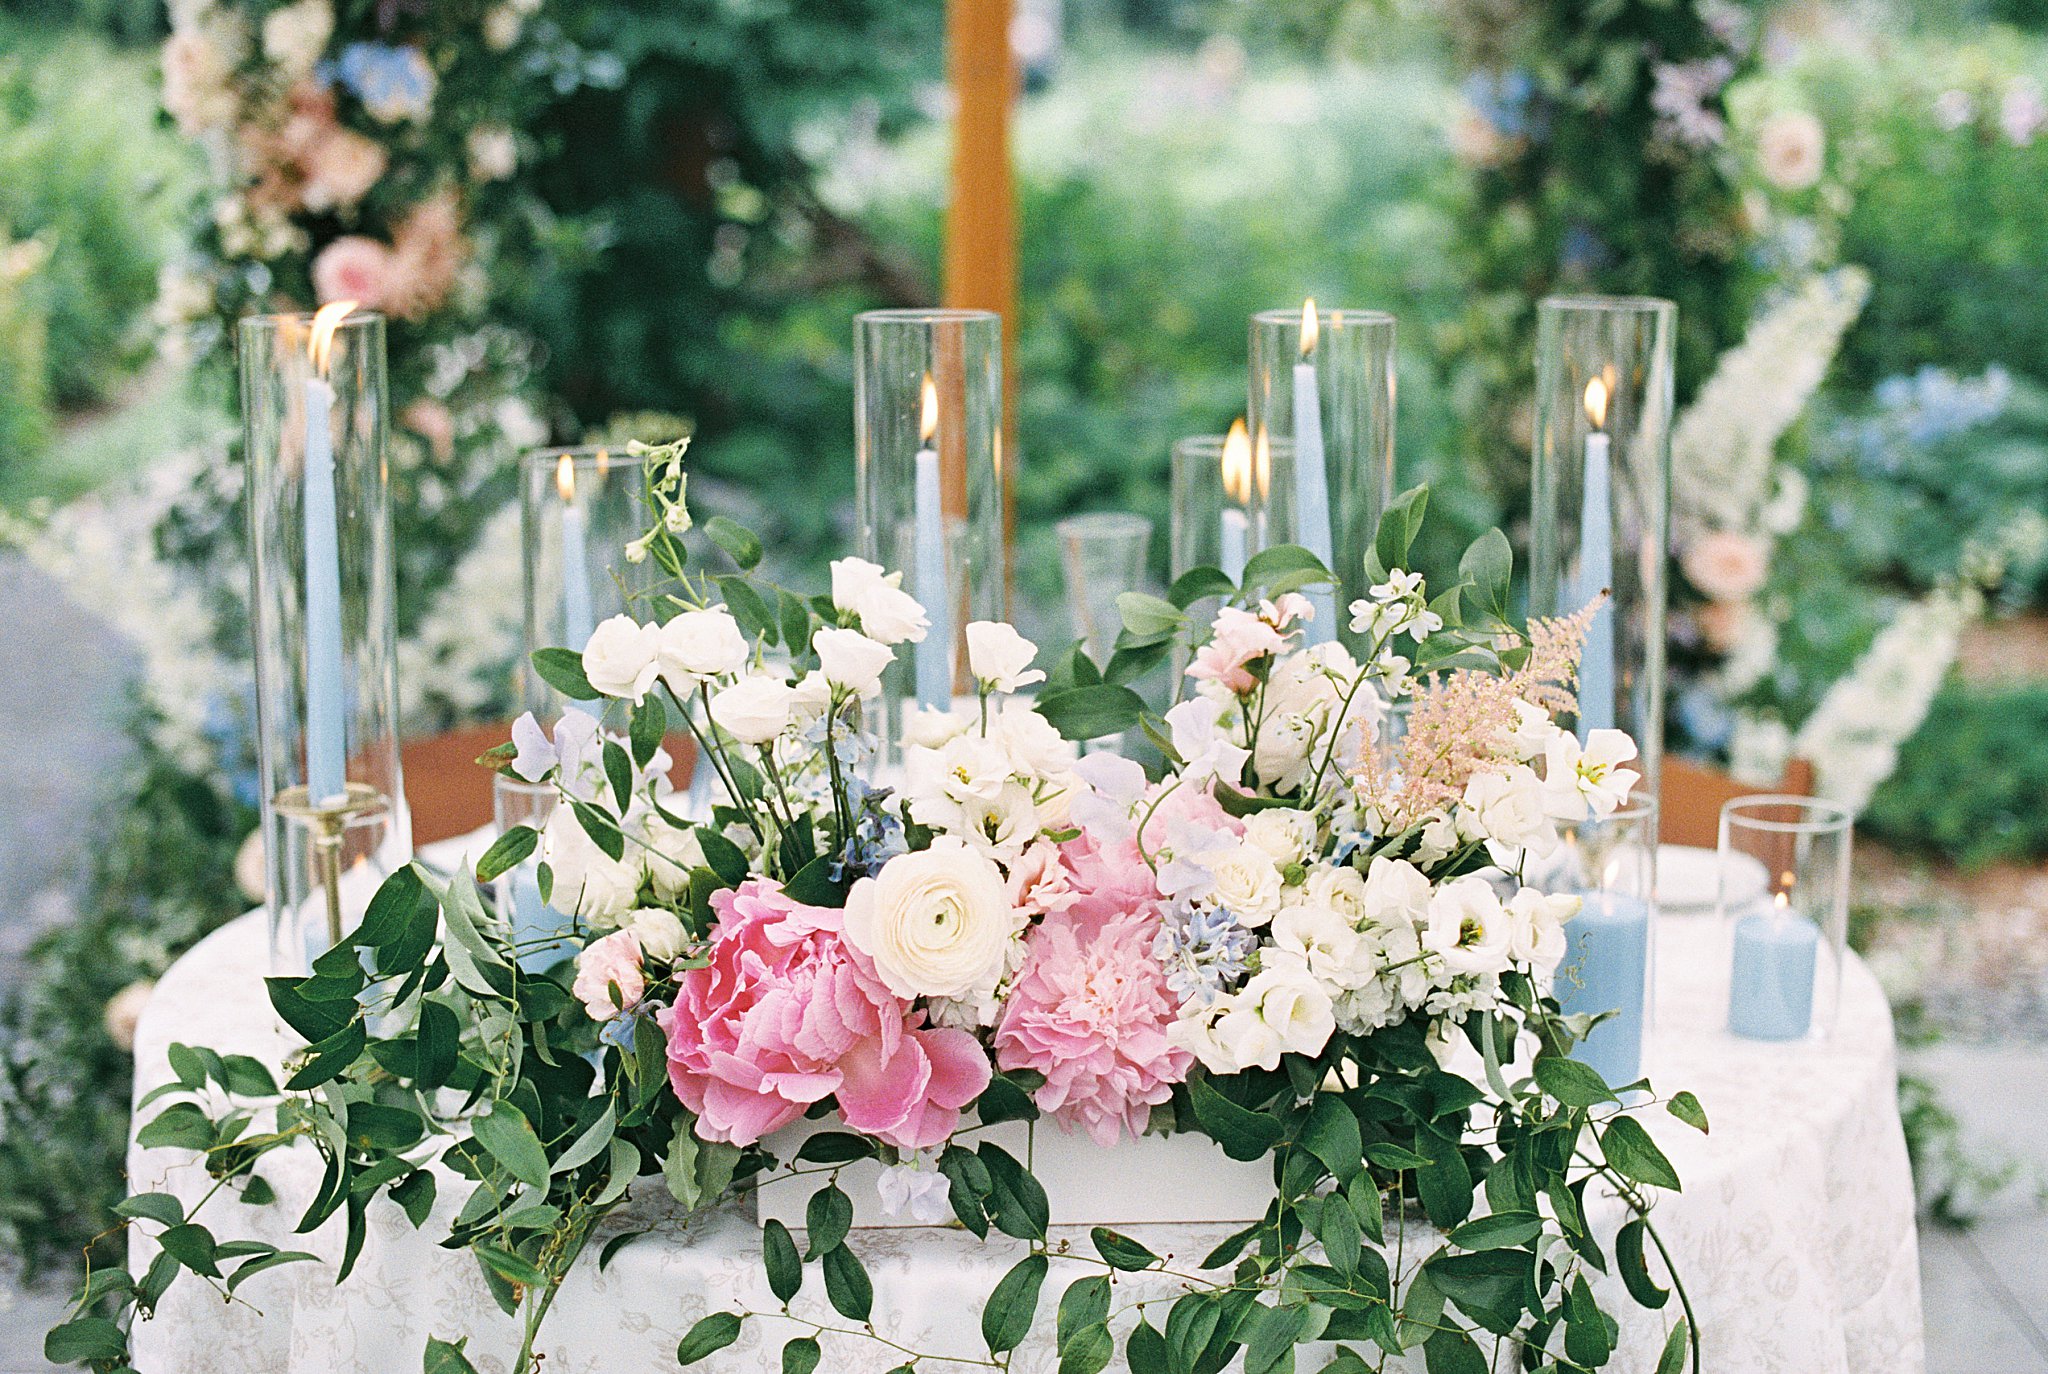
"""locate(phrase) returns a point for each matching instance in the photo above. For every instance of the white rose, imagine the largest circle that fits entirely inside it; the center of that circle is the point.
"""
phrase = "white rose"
(1000, 657)
(1324, 942)
(669, 851)
(1246, 884)
(700, 646)
(622, 658)
(1283, 833)
(937, 923)
(1339, 890)
(1508, 806)
(755, 709)
(587, 881)
(1292, 1006)
(1396, 893)
(851, 660)
(660, 934)
(1536, 928)
(888, 614)
(1468, 927)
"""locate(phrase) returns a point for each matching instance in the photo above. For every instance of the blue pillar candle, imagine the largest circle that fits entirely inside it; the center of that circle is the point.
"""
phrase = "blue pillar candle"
(534, 920)
(1770, 984)
(1606, 968)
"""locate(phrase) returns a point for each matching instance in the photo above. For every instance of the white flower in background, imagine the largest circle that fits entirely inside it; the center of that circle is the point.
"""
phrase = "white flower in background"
(1468, 927)
(295, 36)
(1507, 807)
(1205, 748)
(199, 67)
(887, 613)
(1576, 779)
(999, 657)
(2021, 112)
(929, 727)
(1245, 883)
(756, 709)
(622, 658)
(1536, 920)
(494, 155)
(1791, 149)
(1726, 565)
(699, 647)
(1326, 944)
(659, 933)
(502, 24)
(587, 882)
(851, 660)
(1283, 833)
(669, 851)
(937, 923)
(1396, 892)
(916, 1189)
(1953, 109)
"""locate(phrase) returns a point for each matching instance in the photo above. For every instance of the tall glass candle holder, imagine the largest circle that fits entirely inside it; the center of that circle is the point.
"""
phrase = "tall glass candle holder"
(929, 483)
(315, 423)
(1609, 966)
(1789, 941)
(1322, 402)
(1103, 554)
(1602, 500)
(535, 924)
(579, 508)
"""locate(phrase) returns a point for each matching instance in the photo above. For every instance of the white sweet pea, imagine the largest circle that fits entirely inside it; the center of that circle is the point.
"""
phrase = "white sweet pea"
(1532, 732)
(1575, 779)
(669, 851)
(1283, 833)
(1507, 806)
(937, 923)
(851, 660)
(754, 710)
(622, 657)
(888, 614)
(915, 1189)
(929, 727)
(999, 826)
(999, 657)
(699, 647)
(1205, 748)
(1244, 882)
(573, 745)
(1468, 927)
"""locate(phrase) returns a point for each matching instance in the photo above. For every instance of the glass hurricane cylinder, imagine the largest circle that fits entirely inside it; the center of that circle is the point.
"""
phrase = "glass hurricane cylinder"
(1322, 404)
(1103, 554)
(1609, 965)
(1788, 936)
(1602, 499)
(1221, 497)
(579, 508)
(535, 925)
(315, 423)
(929, 485)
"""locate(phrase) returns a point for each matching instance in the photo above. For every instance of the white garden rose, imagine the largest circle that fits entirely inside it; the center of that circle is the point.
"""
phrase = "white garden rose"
(660, 934)
(851, 660)
(698, 647)
(754, 710)
(888, 614)
(587, 882)
(622, 657)
(1000, 657)
(1245, 883)
(1507, 806)
(1468, 927)
(1338, 889)
(1282, 832)
(937, 923)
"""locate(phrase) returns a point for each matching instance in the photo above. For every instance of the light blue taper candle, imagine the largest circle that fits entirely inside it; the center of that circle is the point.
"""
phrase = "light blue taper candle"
(326, 771)
(1596, 570)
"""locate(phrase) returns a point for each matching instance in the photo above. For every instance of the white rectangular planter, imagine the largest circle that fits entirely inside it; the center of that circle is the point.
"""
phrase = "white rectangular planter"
(1183, 1178)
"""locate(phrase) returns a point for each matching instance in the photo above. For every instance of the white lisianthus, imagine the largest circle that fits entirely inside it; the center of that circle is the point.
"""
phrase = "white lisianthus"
(1396, 892)
(587, 881)
(887, 613)
(1245, 883)
(1295, 1010)
(937, 923)
(754, 710)
(1576, 779)
(1536, 928)
(851, 660)
(698, 647)
(1201, 1035)
(660, 934)
(1325, 942)
(622, 657)
(1468, 927)
(1283, 832)
(1000, 658)
(1507, 806)
(999, 826)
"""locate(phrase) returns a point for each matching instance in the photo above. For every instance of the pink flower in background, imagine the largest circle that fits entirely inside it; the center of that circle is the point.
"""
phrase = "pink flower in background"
(608, 976)
(355, 268)
(428, 252)
(340, 167)
(788, 1013)
(1726, 566)
(1090, 1011)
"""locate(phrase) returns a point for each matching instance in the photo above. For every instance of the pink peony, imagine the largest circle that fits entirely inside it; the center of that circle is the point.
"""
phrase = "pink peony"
(789, 1013)
(428, 250)
(1090, 1011)
(354, 268)
(340, 168)
(608, 976)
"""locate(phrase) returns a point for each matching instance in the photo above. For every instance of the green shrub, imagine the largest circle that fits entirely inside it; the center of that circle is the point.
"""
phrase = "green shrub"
(1970, 786)
(24, 331)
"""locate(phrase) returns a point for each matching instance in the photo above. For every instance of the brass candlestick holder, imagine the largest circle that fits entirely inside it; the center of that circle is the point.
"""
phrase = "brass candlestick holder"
(327, 825)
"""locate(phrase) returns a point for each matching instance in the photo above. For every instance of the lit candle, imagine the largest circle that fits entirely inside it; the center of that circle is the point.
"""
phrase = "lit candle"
(1605, 968)
(1311, 478)
(1596, 569)
(1237, 482)
(326, 730)
(1770, 983)
(577, 623)
(935, 652)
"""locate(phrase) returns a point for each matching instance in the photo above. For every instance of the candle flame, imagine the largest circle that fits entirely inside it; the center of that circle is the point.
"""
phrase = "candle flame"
(565, 478)
(928, 420)
(320, 347)
(1782, 901)
(1308, 326)
(1596, 402)
(1237, 463)
(604, 464)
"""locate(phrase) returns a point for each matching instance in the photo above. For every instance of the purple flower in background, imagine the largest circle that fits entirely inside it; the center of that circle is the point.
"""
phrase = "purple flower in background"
(1680, 97)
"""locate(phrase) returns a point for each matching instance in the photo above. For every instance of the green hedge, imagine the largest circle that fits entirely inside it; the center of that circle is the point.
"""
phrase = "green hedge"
(1972, 786)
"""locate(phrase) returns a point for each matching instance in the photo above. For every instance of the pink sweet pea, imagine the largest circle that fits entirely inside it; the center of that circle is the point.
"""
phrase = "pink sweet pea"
(788, 1013)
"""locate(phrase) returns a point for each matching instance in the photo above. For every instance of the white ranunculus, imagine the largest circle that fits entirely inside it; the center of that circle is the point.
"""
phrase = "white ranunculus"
(1246, 883)
(622, 658)
(888, 614)
(699, 647)
(660, 934)
(1282, 832)
(754, 710)
(1396, 892)
(1468, 927)
(1324, 942)
(1507, 806)
(851, 660)
(1286, 999)
(1000, 657)
(1536, 928)
(587, 881)
(937, 923)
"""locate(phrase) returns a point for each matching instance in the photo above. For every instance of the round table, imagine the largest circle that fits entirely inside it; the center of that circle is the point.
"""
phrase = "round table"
(1794, 1233)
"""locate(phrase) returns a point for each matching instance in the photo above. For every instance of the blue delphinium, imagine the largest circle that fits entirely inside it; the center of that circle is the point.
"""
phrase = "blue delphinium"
(877, 833)
(393, 82)
(1202, 949)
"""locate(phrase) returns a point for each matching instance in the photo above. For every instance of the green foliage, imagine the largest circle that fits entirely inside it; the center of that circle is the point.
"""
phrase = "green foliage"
(1990, 736)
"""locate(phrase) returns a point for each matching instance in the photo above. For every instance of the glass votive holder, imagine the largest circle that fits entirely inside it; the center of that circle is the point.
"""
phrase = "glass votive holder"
(1789, 940)
(534, 924)
(1609, 967)
(1103, 554)
(579, 508)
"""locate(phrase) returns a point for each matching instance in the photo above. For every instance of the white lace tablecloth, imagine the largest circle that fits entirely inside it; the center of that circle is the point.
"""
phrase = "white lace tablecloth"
(1794, 1233)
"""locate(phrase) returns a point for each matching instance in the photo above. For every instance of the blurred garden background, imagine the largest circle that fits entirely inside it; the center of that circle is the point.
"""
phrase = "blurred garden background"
(606, 218)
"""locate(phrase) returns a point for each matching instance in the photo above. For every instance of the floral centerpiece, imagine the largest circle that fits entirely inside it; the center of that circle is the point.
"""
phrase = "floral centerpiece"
(1281, 924)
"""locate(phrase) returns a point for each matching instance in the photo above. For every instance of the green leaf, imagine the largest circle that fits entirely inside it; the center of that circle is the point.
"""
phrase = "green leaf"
(85, 1338)
(1388, 1155)
(1672, 1361)
(1489, 566)
(1347, 1361)
(603, 830)
(724, 857)
(1269, 566)
(813, 884)
(1085, 713)
(506, 1133)
(1331, 1135)
(1003, 1100)
(1633, 1154)
(795, 618)
(270, 1260)
(801, 1355)
(709, 1336)
(1084, 1304)
(1145, 1350)
(1337, 1228)
(1687, 1108)
(1498, 1231)
(509, 1265)
(1148, 618)
(443, 1358)
(828, 1216)
(650, 724)
(440, 1041)
(191, 1245)
(778, 1254)
(1197, 584)
(1275, 1333)
(847, 1284)
(1006, 1319)
(377, 1127)
(562, 669)
(595, 1137)
(314, 1021)
(834, 1147)
(1635, 1268)
(1120, 1251)
(1016, 1200)
(749, 608)
(1244, 1135)
(247, 1077)
(1450, 1351)
(1587, 1340)
(736, 539)
(1087, 1351)
(415, 1196)
(618, 771)
(161, 1208)
(1399, 525)
(331, 1057)
(1572, 1083)
(507, 850)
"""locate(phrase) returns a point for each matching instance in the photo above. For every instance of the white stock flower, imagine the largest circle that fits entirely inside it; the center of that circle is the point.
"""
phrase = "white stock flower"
(888, 614)
(1282, 832)
(1246, 883)
(1468, 927)
(1575, 779)
(699, 647)
(851, 660)
(1000, 657)
(755, 709)
(937, 923)
(1507, 806)
(587, 881)
(622, 658)
(660, 934)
